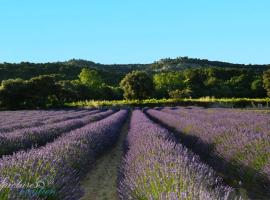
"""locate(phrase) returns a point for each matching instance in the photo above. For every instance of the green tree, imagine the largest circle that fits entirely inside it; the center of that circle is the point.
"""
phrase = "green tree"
(257, 88)
(175, 94)
(239, 85)
(266, 81)
(90, 78)
(37, 92)
(137, 85)
(167, 82)
(43, 90)
(110, 93)
(13, 93)
(84, 92)
(194, 79)
(68, 91)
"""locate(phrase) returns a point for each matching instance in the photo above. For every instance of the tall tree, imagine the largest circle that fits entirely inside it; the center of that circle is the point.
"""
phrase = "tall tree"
(90, 78)
(167, 82)
(266, 81)
(13, 93)
(137, 85)
(257, 88)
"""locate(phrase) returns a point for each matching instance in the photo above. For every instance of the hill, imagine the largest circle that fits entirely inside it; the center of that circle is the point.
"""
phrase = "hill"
(38, 85)
(181, 63)
(112, 73)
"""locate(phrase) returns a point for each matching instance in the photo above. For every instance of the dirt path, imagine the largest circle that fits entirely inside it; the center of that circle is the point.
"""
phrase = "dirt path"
(101, 182)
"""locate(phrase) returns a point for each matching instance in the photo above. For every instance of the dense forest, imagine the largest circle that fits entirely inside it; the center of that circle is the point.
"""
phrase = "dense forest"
(34, 85)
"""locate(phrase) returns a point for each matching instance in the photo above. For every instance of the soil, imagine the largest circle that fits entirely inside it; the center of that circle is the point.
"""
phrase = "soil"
(101, 181)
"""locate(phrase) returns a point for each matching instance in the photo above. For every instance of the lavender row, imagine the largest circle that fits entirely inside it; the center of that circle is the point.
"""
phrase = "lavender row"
(156, 167)
(39, 120)
(14, 121)
(33, 117)
(38, 136)
(30, 115)
(232, 130)
(236, 117)
(53, 171)
(26, 116)
(239, 136)
(237, 146)
(69, 116)
(14, 116)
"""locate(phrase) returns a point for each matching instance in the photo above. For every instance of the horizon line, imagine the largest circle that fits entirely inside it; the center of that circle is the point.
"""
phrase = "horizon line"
(133, 63)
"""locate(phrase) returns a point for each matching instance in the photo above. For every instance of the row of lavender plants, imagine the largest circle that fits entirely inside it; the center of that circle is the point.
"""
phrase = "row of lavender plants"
(157, 167)
(240, 136)
(37, 136)
(236, 116)
(53, 171)
(13, 116)
(39, 120)
(73, 116)
(235, 142)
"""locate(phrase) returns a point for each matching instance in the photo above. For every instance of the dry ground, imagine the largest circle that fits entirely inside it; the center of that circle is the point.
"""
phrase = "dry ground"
(101, 181)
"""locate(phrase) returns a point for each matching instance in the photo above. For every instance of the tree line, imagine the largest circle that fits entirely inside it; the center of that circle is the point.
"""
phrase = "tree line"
(195, 83)
(51, 90)
(91, 83)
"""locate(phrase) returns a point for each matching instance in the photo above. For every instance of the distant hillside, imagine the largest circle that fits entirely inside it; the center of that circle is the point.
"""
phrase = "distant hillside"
(113, 73)
(181, 63)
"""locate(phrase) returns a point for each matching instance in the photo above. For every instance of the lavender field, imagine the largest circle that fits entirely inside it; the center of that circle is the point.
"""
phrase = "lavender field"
(157, 154)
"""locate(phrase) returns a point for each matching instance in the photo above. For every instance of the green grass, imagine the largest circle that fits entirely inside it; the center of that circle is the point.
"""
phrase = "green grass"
(204, 101)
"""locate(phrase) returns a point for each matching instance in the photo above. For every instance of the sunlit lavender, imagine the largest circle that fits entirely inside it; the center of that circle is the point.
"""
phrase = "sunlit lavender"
(59, 165)
(157, 167)
(239, 137)
(169, 153)
(39, 135)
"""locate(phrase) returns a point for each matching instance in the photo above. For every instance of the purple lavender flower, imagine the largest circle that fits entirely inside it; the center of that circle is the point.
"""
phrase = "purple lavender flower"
(38, 136)
(157, 167)
(238, 137)
(59, 164)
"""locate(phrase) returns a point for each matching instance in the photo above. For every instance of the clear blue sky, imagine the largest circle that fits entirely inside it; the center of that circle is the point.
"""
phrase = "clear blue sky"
(134, 31)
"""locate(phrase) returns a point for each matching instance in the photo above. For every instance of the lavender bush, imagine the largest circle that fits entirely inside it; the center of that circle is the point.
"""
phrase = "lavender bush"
(11, 117)
(41, 119)
(38, 136)
(239, 138)
(56, 168)
(156, 167)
